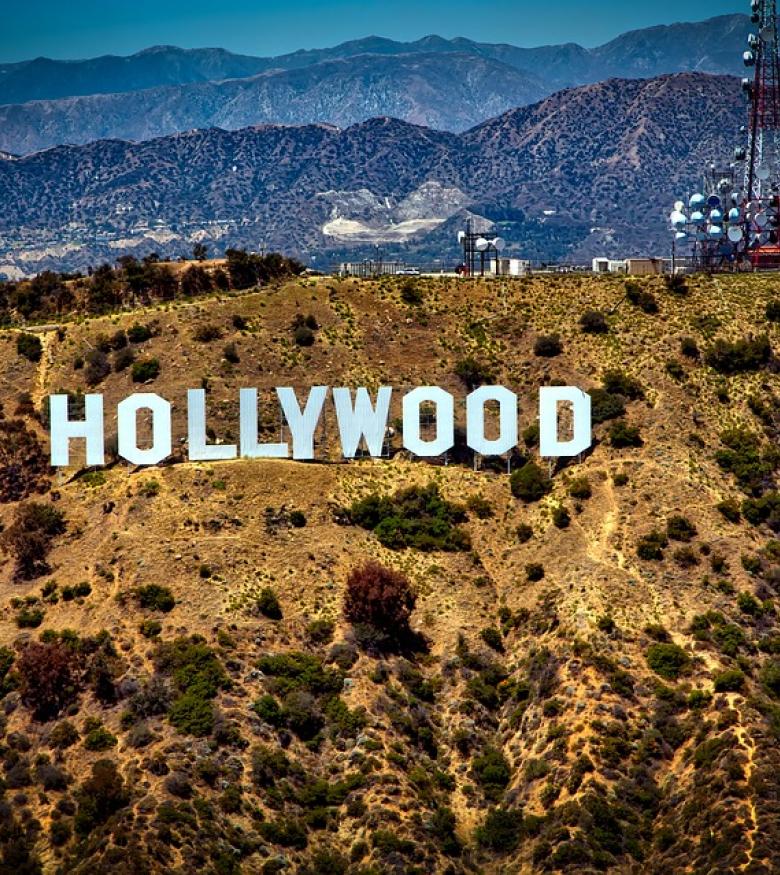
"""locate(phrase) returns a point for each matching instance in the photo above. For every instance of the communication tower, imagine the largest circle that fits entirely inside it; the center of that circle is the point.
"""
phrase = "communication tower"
(479, 251)
(734, 221)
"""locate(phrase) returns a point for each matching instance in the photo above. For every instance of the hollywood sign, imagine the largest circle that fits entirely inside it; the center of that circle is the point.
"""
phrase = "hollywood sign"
(360, 419)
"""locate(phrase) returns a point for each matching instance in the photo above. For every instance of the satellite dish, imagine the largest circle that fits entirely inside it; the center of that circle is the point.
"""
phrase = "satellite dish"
(736, 234)
(715, 232)
(713, 201)
(725, 186)
(716, 217)
(697, 218)
(499, 243)
(461, 236)
(766, 33)
(677, 218)
(481, 245)
(762, 220)
(680, 236)
(734, 215)
(696, 201)
(679, 206)
(763, 173)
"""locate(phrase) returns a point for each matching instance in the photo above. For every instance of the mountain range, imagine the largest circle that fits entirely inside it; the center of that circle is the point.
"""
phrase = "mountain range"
(445, 84)
(587, 170)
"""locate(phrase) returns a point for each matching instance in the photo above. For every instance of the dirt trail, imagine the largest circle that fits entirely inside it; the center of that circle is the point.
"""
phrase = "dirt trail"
(749, 746)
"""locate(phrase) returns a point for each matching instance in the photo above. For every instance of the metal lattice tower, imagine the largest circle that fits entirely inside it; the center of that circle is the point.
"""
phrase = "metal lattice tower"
(733, 222)
(763, 157)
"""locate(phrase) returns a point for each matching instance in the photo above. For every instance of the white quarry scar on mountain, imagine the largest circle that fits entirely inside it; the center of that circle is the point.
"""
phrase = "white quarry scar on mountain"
(362, 216)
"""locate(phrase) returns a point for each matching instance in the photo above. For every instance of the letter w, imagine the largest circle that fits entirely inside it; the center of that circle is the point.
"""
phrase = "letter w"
(362, 420)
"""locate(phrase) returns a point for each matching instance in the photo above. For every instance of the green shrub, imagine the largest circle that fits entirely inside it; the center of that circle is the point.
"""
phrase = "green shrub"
(411, 294)
(730, 510)
(268, 604)
(580, 489)
(617, 382)
(606, 406)
(678, 528)
(29, 346)
(417, 517)
(197, 675)
(667, 660)
(474, 373)
(739, 357)
(623, 435)
(730, 681)
(493, 638)
(548, 346)
(491, 772)
(150, 628)
(297, 519)
(139, 333)
(561, 518)
(207, 333)
(594, 322)
(770, 678)
(534, 572)
(98, 738)
(501, 831)
(689, 348)
(480, 507)
(530, 483)
(145, 370)
(651, 547)
(155, 597)
(303, 336)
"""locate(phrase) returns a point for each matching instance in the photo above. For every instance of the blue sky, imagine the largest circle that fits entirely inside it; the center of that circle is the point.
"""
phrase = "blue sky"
(85, 28)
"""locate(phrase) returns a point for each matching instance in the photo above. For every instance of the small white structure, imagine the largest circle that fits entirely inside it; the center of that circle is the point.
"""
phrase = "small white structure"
(513, 267)
(609, 265)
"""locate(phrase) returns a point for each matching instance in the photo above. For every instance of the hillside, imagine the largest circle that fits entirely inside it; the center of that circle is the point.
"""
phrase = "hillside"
(453, 91)
(608, 159)
(590, 680)
(446, 84)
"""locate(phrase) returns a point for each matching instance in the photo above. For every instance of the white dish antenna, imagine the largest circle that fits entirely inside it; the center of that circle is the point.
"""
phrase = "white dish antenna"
(461, 236)
(499, 243)
(697, 218)
(481, 245)
(762, 220)
(679, 206)
(736, 234)
(763, 173)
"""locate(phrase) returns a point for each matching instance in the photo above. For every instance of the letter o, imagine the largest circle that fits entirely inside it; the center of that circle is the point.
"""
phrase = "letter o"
(127, 428)
(475, 421)
(445, 421)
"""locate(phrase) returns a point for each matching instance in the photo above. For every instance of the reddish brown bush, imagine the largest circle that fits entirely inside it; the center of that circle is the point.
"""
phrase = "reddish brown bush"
(49, 678)
(24, 468)
(380, 597)
(29, 538)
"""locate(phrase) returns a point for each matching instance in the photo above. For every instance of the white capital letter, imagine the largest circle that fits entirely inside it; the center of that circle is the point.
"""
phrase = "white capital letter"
(475, 420)
(549, 399)
(302, 425)
(127, 427)
(445, 421)
(250, 449)
(62, 429)
(362, 420)
(200, 451)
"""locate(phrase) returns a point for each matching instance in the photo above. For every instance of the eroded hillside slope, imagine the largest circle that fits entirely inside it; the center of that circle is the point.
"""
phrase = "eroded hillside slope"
(591, 677)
